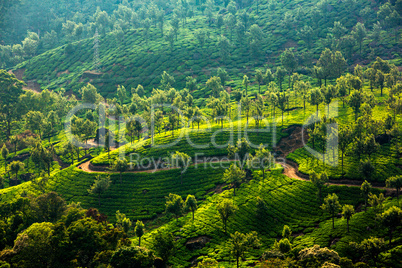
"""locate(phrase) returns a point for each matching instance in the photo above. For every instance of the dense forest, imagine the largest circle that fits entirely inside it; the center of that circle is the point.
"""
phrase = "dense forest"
(200, 133)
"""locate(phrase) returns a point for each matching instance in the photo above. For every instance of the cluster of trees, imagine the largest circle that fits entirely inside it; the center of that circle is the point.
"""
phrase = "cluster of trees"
(31, 107)
(358, 137)
(390, 218)
(84, 237)
(70, 23)
(284, 255)
(50, 24)
(42, 113)
(239, 243)
(46, 231)
(367, 251)
(331, 65)
(39, 115)
(338, 36)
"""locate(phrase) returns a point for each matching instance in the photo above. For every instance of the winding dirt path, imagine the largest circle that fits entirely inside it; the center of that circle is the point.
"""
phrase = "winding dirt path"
(86, 166)
(293, 172)
(293, 142)
(285, 146)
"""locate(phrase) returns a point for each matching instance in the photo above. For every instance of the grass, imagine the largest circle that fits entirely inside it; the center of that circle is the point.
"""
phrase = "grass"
(290, 202)
(140, 196)
(132, 60)
(204, 139)
(385, 161)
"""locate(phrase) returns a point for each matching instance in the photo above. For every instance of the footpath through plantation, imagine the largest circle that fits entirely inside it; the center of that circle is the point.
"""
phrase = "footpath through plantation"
(291, 169)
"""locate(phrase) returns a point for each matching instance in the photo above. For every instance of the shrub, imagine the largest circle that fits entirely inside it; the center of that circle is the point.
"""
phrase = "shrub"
(69, 49)
(132, 257)
(284, 245)
(208, 262)
(345, 262)
(309, 257)
(272, 254)
(4, 264)
(287, 232)
(330, 265)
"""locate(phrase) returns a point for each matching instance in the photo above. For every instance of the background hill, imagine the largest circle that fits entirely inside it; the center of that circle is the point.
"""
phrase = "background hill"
(208, 35)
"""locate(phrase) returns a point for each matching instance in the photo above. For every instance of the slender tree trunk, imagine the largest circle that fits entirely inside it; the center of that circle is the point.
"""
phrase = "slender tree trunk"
(8, 129)
(323, 155)
(342, 163)
(319, 194)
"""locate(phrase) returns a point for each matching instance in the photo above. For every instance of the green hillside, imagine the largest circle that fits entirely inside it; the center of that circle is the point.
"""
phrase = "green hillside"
(285, 206)
(140, 57)
(200, 133)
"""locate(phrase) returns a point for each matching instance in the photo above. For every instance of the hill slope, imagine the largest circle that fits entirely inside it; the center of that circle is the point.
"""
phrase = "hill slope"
(130, 58)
